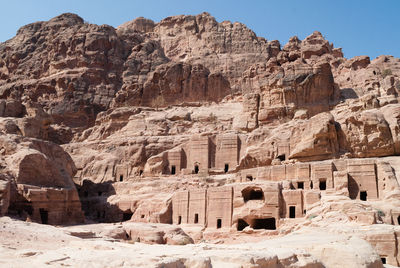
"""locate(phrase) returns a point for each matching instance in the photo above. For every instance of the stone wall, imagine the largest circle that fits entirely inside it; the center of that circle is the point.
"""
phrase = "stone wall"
(227, 152)
(219, 207)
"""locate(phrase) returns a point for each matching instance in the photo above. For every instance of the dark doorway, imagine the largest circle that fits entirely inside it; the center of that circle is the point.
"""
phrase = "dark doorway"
(363, 195)
(322, 185)
(300, 185)
(383, 260)
(127, 216)
(140, 172)
(311, 185)
(398, 220)
(292, 212)
(121, 177)
(241, 225)
(44, 215)
(252, 194)
(268, 224)
(226, 168)
(179, 219)
(219, 223)
(196, 218)
(282, 157)
(173, 170)
(196, 169)
(249, 178)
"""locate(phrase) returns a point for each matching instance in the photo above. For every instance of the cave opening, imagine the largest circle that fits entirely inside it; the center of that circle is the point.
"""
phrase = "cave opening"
(363, 195)
(252, 193)
(226, 168)
(173, 170)
(241, 224)
(219, 223)
(292, 212)
(44, 215)
(282, 157)
(268, 224)
(322, 185)
(126, 216)
(249, 178)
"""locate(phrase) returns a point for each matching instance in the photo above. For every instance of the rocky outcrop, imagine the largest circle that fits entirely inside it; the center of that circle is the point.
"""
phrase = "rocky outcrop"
(316, 139)
(366, 134)
(293, 86)
(41, 175)
(4, 195)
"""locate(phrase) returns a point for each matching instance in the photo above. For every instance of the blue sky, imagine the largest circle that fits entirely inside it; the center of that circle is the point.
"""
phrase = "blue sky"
(360, 27)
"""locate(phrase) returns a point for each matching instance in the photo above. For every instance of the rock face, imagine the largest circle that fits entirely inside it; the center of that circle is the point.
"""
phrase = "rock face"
(4, 195)
(204, 125)
(42, 187)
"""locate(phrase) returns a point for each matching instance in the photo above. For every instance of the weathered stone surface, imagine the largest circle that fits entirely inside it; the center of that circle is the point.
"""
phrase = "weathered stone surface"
(4, 195)
(41, 174)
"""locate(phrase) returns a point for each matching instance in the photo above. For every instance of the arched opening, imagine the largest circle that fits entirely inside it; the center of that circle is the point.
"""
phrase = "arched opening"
(282, 157)
(252, 193)
(179, 219)
(322, 184)
(268, 224)
(196, 218)
(173, 170)
(226, 168)
(121, 177)
(126, 216)
(196, 169)
(300, 185)
(44, 215)
(292, 212)
(363, 195)
(219, 223)
(241, 224)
